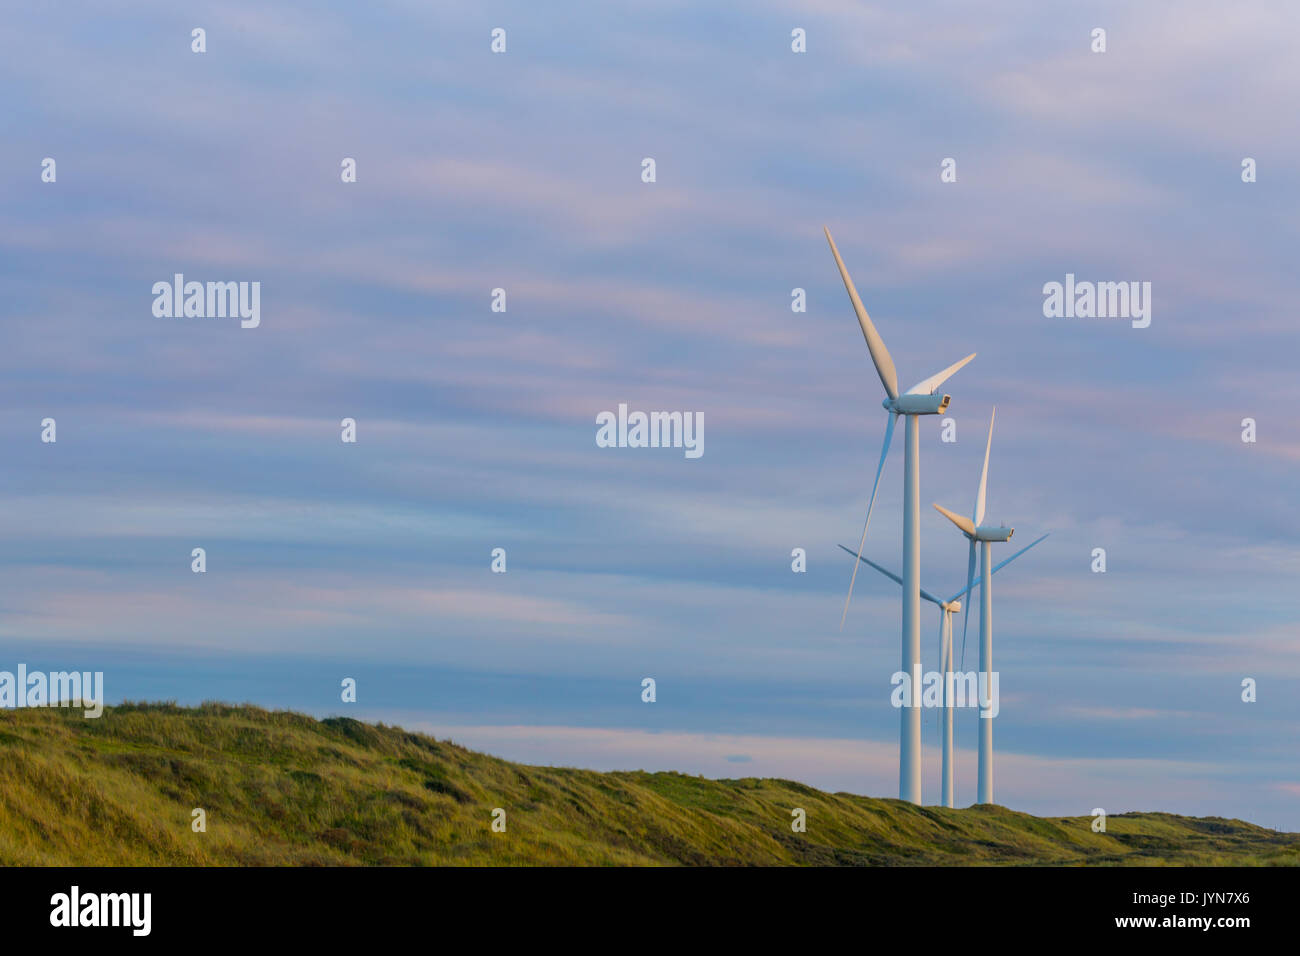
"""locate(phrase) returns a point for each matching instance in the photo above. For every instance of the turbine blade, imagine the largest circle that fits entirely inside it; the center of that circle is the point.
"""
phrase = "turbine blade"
(943, 651)
(970, 583)
(891, 575)
(967, 526)
(999, 566)
(929, 597)
(884, 450)
(934, 381)
(875, 344)
(984, 475)
(887, 573)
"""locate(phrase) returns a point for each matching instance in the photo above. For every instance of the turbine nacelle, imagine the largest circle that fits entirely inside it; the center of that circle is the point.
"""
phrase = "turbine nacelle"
(974, 532)
(952, 607)
(911, 403)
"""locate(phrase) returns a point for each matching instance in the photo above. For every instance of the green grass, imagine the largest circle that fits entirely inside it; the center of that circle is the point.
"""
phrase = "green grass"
(284, 789)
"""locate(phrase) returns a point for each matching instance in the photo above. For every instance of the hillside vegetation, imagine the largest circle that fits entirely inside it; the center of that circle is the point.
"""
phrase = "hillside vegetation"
(281, 788)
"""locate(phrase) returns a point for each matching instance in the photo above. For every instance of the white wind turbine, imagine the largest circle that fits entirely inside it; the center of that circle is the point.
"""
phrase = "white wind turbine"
(946, 610)
(984, 535)
(920, 399)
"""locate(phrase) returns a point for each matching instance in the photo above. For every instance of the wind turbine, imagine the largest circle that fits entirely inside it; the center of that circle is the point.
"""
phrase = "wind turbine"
(946, 610)
(984, 535)
(920, 399)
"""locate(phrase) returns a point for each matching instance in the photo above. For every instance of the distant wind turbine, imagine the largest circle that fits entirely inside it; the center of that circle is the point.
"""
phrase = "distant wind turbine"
(946, 610)
(920, 399)
(984, 535)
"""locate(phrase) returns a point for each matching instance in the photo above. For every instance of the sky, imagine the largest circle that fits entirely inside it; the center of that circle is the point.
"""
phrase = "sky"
(476, 429)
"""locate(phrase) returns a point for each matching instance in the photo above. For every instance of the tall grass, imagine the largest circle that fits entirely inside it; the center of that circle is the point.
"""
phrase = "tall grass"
(283, 789)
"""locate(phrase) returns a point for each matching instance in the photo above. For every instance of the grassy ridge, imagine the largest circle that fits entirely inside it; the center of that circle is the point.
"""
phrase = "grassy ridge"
(284, 789)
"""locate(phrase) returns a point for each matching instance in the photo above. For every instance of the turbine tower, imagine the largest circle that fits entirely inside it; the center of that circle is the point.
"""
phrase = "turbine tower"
(946, 610)
(984, 536)
(920, 399)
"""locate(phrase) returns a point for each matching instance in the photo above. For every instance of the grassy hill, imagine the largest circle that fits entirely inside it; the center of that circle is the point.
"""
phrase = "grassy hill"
(285, 789)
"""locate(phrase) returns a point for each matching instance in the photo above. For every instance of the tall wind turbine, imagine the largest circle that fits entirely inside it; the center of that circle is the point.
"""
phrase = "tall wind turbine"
(984, 536)
(920, 399)
(946, 610)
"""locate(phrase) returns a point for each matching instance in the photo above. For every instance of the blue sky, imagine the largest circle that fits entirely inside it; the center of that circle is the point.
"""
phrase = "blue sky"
(477, 429)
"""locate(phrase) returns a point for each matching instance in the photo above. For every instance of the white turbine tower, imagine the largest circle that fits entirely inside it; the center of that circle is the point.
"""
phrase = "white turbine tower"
(946, 610)
(984, 535)
(918, 400)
